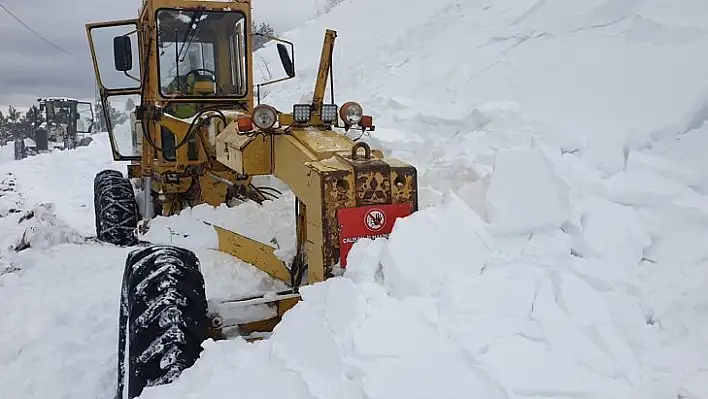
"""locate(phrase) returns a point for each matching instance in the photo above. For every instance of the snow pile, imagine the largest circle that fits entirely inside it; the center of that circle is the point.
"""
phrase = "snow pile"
(272, 223)
(507, 317)
(42, 229)
(541, 278)
(59, 322)
(65, 179)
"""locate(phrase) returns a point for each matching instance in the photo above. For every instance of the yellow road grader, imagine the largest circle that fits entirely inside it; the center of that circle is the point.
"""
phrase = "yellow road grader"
(199, 134)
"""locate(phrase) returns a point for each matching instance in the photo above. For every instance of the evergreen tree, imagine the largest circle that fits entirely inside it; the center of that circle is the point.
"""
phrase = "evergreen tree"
(3, 130)
(116, 117)
(263, 28)
(16, 125)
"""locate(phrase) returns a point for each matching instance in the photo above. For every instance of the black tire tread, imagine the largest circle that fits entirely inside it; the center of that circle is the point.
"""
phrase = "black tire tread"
(165, 309)
(116, 209)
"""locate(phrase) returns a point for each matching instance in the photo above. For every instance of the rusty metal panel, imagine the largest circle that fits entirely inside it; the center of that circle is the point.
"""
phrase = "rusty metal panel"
(372, 177)
(338, 191)
(404, 187)
(134, 171)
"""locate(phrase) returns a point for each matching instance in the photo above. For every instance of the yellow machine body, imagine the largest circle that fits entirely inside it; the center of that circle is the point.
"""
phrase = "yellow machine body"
(202, 141)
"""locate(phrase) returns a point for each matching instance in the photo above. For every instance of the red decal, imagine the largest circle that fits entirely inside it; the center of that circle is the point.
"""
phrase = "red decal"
(366, 222)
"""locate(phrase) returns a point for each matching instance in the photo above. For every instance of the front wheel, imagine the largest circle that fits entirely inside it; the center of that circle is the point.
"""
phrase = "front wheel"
(163, 317)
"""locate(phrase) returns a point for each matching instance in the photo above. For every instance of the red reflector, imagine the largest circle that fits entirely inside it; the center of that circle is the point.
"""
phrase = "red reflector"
(366, 222)
(245, 124)
(366, 121)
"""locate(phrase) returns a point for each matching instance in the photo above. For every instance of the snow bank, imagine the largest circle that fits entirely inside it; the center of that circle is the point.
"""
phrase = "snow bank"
(59, 322)
(635, 66)
(494, 321)
(65, 179)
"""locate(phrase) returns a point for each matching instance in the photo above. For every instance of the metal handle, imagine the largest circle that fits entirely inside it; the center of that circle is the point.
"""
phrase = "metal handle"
(361, 144)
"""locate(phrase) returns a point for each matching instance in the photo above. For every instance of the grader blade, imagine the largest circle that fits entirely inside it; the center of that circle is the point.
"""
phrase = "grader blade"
(251, 251)
(252, 317)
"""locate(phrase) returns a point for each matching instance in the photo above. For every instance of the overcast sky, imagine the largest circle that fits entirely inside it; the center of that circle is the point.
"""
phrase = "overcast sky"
(31, 68)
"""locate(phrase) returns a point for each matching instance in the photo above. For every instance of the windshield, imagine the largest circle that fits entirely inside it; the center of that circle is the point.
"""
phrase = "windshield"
(58, 112)
(202, 53)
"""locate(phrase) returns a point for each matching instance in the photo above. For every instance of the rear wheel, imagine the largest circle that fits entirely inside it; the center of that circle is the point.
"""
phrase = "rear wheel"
(20, 151)
(116, 208)
(163, 318)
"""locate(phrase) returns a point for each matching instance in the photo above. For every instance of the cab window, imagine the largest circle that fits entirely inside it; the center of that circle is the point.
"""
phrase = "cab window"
(201, 53)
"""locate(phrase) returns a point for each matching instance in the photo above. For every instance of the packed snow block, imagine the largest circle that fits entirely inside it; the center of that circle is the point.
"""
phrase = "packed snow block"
(43, 229)
(525, 195)
(328, 314)
(682, 159)
(678, 231)
(575, 350)
(364, 261)
(606, 154)
(644, 188)
(420, 363)
(234, 366)
(432, 247)
(611, 231)
(554, 246)
(664, 167)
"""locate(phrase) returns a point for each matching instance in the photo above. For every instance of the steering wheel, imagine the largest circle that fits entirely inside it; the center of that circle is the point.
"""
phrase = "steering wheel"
(202, 72)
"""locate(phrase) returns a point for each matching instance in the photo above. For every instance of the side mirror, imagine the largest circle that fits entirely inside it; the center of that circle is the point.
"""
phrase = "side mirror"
(286, 61)
(122, 53)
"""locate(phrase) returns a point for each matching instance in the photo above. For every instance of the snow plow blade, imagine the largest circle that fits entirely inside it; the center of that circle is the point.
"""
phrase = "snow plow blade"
(251, 251)
(267, 309)
(227, 319)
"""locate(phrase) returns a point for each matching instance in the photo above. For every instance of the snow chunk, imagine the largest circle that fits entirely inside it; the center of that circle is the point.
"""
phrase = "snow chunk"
(447, 229)
(43, 229)
(524, 194)
(364, 261)
(624, 241)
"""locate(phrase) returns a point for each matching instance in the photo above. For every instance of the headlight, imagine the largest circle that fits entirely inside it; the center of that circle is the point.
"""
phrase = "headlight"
(329, 113)
(264, 116)
(351, 113)
(301, 113)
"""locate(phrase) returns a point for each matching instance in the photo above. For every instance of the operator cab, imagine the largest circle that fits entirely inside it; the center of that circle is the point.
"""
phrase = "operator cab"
(201, 53)
(175, 61)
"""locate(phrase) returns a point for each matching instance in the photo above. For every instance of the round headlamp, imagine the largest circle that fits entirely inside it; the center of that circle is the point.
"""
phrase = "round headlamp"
(351, 113)
(264, 116)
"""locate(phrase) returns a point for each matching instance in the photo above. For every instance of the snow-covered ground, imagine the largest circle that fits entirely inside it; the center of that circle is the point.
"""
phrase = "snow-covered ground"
(559, 252)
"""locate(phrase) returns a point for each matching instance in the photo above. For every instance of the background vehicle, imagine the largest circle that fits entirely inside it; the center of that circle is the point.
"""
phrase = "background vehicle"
(68, 123)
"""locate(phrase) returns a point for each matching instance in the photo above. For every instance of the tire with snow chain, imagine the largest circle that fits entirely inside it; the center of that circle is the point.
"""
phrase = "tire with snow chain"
(19, 149)
(164, 310)
(100, 180)
(116, 209)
